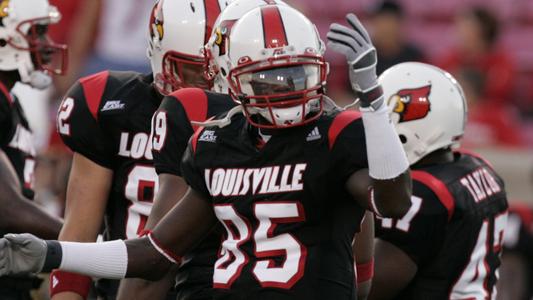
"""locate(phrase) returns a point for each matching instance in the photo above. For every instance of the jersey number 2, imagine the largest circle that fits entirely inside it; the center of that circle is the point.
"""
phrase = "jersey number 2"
(63, 115)
(280, 258)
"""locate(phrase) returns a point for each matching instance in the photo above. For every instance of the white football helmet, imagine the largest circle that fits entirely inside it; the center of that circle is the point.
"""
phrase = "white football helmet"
(178, 31)
(427, 106)
(24, 44)
(234, 11)
(273, 62)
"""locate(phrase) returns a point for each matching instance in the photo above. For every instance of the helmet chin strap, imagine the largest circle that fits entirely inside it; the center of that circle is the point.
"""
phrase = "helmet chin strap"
(40, 80)
(35, 78)
(221, 122)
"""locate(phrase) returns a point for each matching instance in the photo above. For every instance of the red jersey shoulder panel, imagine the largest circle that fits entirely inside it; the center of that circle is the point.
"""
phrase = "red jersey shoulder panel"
(476, 155)
(340, 122)
(93, 89)
(438, 187)
(194, 101)
(6, 93)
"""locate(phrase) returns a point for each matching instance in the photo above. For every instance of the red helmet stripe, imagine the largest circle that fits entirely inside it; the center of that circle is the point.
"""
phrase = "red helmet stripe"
(212, 10)
(273, 29)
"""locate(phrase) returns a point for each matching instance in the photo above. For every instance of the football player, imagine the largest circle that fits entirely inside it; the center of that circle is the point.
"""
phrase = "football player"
(105, 119)
(171, 130)
(281, 176)
(28, 56)
(448, 245)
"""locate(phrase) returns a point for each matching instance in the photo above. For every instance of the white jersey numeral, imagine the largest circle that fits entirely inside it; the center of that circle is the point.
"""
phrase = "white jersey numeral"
(159, 130)
(140, 189)
(472, 283)
(63, 115)
(267, 245)
(404, 223)
(229, 266)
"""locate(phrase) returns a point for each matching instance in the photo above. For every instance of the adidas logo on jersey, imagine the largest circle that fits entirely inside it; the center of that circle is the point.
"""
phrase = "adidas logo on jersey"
(112, 105)
(313, 135)
(55, 281)
(208, 136)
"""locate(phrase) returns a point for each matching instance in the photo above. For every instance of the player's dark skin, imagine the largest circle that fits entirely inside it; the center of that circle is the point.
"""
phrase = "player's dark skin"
(17, 213)
(393, 268)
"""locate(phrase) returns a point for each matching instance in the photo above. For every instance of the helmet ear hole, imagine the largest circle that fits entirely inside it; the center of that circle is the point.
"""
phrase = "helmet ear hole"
(403, 138)
(3, 42)
(223, 71)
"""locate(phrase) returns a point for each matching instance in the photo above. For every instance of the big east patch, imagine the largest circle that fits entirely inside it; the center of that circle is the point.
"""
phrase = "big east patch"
(411, 104)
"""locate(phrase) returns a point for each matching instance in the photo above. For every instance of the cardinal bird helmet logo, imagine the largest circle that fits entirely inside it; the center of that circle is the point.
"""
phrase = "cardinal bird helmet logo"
(411, 104)
(156, 21)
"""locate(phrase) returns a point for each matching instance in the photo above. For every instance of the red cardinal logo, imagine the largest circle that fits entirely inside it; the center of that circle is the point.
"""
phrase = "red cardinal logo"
(222, 34)
(156, 20)
(412, 104)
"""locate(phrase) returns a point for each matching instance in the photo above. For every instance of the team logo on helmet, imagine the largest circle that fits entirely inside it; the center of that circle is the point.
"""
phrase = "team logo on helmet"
(411, 104)
(222, 33)
(4, 5)
(156, 21)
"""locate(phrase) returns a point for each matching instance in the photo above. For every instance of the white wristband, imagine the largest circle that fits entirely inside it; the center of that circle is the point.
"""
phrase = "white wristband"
(386, 157)
(100, 260)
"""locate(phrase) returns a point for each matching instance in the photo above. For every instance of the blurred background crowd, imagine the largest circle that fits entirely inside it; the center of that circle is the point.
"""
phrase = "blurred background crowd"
(486, 44)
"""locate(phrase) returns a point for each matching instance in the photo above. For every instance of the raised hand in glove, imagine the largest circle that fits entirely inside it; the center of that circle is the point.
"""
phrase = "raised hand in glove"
(21, 254)
(354, 43)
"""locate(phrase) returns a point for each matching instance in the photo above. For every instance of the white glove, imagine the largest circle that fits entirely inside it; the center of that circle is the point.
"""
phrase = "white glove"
(354, 43)
(21, 254)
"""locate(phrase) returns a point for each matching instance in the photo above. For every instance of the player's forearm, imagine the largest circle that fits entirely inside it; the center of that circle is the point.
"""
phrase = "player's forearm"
(149, 257)
(135, 288)
(171, 189)
(387, 162)
(18, 214)
(87, 192)
(112, 260)
(392, 198)
(80, 231)
(363, 247)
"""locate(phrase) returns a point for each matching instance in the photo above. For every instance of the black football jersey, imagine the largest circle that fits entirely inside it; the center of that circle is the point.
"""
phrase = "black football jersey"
(171, 130)
(16, 140)
(453, 230)
(106, 117)
(289, 221)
